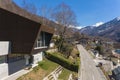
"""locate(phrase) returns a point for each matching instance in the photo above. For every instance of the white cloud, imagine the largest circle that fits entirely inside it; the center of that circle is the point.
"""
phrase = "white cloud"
(98, 24)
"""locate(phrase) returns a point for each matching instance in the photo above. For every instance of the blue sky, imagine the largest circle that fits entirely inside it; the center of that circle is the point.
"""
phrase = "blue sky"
(88, 12)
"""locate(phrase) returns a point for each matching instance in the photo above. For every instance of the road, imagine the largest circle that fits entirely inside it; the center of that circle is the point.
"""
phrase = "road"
(88, 69)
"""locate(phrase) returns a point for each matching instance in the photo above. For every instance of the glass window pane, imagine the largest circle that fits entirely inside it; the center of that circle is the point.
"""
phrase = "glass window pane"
(2, 59)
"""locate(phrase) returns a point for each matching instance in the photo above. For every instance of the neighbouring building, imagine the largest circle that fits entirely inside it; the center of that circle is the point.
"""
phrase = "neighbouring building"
(116, 73)
(22, 38)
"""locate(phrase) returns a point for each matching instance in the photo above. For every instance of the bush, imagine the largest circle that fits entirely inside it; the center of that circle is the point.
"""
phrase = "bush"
(63, 46)
(62, 61)
(100, 49)
(66, 49)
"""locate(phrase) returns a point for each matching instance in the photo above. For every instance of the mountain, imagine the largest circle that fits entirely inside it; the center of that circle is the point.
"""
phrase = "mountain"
(87, 30)
(110, 29)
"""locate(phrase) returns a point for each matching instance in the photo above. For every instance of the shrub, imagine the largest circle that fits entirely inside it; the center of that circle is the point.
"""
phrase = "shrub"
(63, 46)
(62, 61)
(99, 48)
(66, 49)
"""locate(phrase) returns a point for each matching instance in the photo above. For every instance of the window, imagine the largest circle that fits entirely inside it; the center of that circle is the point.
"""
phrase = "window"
(2, 59)
(41, 40)
(15, 57)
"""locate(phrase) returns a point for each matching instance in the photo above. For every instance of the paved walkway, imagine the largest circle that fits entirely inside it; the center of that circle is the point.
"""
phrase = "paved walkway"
(16, 75)
(88, 70)
(55, 74)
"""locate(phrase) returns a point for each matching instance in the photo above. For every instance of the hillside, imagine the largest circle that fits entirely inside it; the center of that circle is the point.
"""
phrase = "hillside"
(110, 29)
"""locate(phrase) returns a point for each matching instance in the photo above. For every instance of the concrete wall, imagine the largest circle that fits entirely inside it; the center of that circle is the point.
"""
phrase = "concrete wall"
(16, 66)
(37, 57)
(10, 68)
(3, 70)
(4, 47)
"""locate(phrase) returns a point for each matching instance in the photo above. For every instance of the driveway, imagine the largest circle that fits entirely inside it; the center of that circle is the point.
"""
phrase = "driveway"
(88, 69)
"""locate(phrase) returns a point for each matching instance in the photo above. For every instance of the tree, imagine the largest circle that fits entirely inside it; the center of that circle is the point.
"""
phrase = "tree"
(99, 48)
(45, 13)
(77, 35)
(65, 17)
(67, 49)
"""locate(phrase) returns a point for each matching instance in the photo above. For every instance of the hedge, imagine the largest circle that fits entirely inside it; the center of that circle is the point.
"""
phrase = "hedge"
(62, 61)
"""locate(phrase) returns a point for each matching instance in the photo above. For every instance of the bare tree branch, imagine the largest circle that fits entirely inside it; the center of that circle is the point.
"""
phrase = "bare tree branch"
(65, 17)
(45, 12)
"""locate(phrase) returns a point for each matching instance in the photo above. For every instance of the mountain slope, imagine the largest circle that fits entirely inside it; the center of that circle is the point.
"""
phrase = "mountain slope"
(109, 29)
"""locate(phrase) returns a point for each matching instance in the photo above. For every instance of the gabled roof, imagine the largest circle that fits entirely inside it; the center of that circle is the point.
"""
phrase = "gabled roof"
(9, 5)
(20, 27)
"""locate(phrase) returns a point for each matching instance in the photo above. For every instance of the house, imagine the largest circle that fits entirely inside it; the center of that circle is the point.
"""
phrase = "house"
(116, 73)
(84, 41)
(22, 38)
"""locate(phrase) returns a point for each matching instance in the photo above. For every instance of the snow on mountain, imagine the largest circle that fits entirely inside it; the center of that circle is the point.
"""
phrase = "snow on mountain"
(79, 27)
(98, 24)
(110, 29)
(118, 18)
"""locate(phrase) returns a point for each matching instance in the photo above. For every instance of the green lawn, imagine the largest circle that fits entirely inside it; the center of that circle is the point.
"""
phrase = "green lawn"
(48, 65)
(45, 67)
(65, 74)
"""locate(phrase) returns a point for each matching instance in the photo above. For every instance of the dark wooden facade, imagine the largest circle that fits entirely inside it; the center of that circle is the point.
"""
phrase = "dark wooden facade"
(22, 32)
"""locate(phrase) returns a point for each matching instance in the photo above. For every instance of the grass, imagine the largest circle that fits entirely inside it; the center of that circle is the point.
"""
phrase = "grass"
(45, 67)
(33, 75)
(64, 75)
(48, 66)
(38, 73)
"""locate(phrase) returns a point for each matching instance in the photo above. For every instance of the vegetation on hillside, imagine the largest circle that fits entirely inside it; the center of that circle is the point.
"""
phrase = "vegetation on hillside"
(72, 65)
(44, 68)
